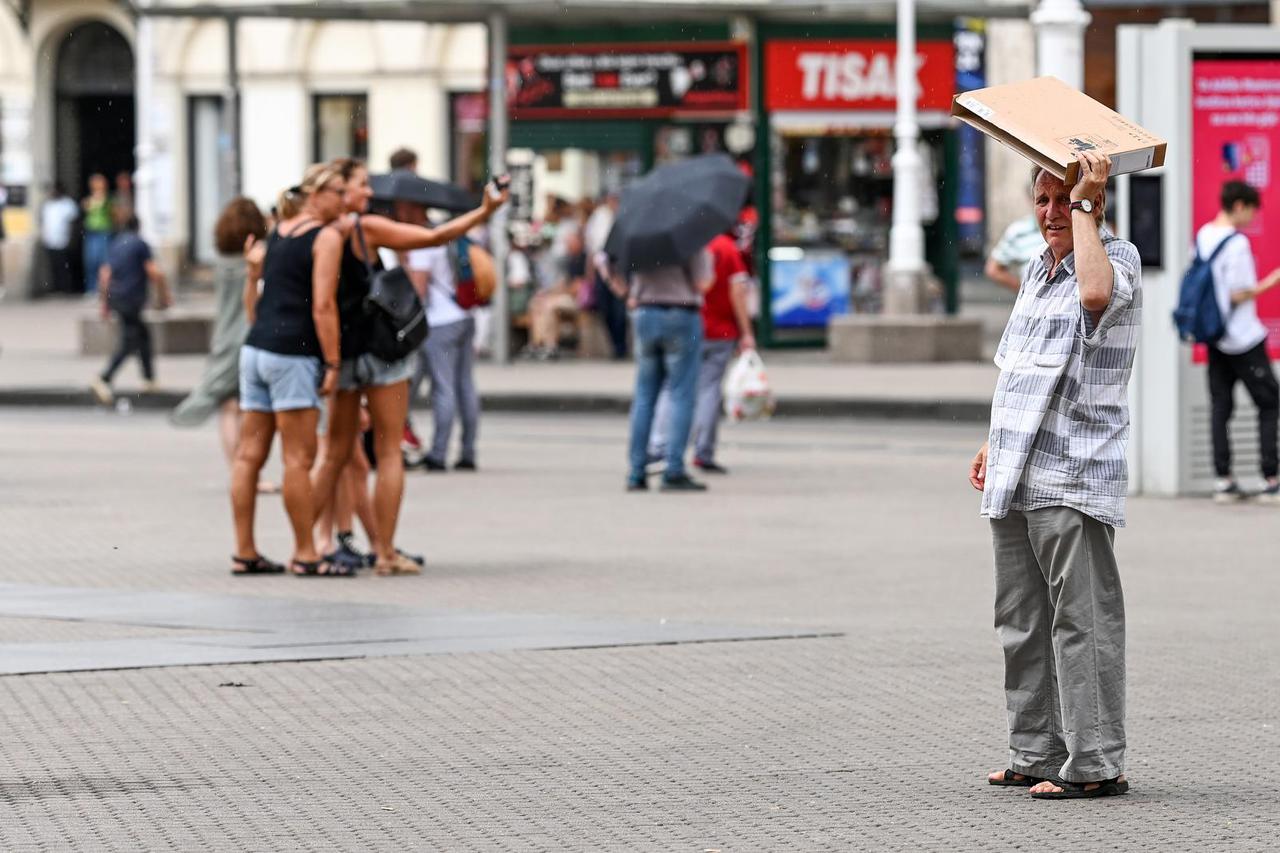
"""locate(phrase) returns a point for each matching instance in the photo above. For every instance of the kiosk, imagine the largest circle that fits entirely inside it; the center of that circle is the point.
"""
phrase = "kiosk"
(1214, 93)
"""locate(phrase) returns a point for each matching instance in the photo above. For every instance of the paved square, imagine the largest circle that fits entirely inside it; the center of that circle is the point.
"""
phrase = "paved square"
(877, 739)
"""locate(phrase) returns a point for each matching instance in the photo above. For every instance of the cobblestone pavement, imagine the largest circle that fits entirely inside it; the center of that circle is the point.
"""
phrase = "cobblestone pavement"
(878, 739)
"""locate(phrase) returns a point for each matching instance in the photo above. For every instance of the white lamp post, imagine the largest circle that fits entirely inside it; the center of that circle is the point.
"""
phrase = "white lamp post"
(906, 267)
(144, 177)
(1060, 26)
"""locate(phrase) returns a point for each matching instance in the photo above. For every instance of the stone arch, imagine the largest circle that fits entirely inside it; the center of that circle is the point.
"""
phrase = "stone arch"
(15, 55)
(50, 25)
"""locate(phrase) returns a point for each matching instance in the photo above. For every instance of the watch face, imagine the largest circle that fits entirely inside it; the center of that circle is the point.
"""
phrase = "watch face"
(1086, 205)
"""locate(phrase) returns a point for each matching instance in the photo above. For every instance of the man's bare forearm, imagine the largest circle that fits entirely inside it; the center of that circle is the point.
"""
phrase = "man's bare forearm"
(1094, 272)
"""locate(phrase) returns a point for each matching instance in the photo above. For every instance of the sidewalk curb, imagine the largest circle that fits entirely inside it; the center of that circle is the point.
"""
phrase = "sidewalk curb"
(954, 411)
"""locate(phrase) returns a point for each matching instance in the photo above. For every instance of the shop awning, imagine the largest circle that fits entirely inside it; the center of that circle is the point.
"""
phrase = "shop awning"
(577, 12)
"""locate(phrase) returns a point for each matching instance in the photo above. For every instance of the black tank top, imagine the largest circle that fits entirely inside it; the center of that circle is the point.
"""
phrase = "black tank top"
(353, 287)
(284, 324)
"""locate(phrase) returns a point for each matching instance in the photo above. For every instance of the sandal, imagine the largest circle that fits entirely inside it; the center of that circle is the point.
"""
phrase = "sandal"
(1008, 780)
(1077, 791)
(401, 565)
(258, 565)
(322, 569)
(417, 558)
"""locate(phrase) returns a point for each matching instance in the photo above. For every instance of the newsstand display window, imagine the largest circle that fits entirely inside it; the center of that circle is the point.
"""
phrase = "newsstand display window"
(833, 203)
(831, 106)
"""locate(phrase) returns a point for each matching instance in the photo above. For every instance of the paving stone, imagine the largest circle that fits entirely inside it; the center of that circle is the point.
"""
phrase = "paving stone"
(875, 740)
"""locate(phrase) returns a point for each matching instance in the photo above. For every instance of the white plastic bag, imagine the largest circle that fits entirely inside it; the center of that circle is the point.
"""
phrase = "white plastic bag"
(747, 395)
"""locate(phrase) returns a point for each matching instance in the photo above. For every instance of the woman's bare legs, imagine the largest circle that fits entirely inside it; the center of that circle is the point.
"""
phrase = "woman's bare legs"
(357, 473)
(298, 443)
(388, 407)
(251, 454)
(229, 429)
(344, 416)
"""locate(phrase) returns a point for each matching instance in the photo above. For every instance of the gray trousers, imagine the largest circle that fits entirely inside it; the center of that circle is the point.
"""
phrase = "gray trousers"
(448, 355)
(1060, 619)
(716, 355)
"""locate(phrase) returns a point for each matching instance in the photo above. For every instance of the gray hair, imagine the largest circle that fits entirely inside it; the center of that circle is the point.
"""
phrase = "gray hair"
(1037, 170)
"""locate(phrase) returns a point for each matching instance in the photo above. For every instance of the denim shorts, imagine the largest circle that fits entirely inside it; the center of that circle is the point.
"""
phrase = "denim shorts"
(270, 382)
(369, 371)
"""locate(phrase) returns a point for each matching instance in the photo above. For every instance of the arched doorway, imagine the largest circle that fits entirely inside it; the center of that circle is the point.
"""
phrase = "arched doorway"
(94, 127)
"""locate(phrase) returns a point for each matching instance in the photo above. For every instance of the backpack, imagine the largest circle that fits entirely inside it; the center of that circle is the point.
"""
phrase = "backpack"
(397, 320)
(474, 276)
(1198, 317)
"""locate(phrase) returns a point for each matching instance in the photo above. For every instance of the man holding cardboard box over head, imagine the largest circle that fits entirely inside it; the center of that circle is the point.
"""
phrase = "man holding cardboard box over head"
(1053, 479)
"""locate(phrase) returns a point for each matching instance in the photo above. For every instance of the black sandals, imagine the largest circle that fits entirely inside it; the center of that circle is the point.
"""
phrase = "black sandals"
(258, 565)
(1077, 790)
(1010, 780)
(323, 569)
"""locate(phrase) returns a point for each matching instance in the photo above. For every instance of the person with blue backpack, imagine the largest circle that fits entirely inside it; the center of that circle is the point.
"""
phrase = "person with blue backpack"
(1237, 340)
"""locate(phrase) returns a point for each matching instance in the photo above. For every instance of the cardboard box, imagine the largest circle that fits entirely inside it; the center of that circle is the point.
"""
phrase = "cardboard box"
(1048, 122)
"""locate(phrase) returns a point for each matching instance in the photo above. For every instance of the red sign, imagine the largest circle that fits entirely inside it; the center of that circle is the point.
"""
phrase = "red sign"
(627, 80)
(854, 75)
(1236, 137)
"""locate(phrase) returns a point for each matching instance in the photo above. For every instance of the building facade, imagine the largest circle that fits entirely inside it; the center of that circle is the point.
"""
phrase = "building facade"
(307, 91)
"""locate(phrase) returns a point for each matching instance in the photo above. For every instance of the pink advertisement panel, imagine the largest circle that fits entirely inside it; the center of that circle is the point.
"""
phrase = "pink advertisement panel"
(1235, 122)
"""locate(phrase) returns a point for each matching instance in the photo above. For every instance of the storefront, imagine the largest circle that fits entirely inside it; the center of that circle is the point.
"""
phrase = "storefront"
(828, 113)
(599, 114)
(596, 110)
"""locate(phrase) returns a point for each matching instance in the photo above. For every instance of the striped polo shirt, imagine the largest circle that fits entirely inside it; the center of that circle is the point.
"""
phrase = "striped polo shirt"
(1060, 415)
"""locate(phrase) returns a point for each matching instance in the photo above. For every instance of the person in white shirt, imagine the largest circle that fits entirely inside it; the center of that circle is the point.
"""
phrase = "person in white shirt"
(448, 354)
(1241, 353)
(58, 216)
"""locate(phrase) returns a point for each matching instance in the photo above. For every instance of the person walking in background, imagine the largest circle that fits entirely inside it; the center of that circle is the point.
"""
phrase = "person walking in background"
(239, 228)
(448, 355)
(4, 199)
(404, 159)
(1053, 479)
(726, 329)
(1240, 355)
(560, 268)
(290, 359)
(668, 344)
(122, 208)
(610, 298)
(122, 290)
(58, 216)
(97, 229)
(1018, 246)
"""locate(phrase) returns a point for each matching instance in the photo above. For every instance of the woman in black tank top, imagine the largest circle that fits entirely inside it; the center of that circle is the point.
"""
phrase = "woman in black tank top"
(290, 353)
(388, 400)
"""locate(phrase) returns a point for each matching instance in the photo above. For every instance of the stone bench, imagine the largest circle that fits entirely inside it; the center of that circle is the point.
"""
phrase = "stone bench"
(889, 339)
(176, 331)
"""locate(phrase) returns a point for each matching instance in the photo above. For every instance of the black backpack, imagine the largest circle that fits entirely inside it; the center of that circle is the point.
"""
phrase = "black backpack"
(397, 320)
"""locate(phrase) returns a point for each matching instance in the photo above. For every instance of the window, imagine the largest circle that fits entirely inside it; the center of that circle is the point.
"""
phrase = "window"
(341, 125)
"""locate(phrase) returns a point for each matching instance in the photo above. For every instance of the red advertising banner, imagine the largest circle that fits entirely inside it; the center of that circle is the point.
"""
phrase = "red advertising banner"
(854, 75)
(627, 80)
(1235, 123)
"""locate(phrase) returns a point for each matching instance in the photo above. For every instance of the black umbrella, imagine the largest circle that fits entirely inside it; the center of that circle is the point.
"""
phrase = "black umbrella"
(671, 213)
(402, 185)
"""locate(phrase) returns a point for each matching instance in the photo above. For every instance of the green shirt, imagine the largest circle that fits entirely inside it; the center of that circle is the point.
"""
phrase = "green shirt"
(97, 216)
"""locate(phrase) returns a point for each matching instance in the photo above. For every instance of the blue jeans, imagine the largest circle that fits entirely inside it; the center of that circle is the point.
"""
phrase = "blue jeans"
(96, 244)
(668, 343)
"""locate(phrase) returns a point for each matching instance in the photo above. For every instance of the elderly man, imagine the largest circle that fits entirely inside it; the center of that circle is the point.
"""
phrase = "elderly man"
(1053, 481)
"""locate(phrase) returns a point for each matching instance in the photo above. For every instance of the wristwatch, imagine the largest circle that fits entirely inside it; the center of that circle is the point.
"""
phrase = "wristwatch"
(1083, 204)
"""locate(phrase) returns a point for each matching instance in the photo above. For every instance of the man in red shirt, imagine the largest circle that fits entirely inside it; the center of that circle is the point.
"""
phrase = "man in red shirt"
(726, 325)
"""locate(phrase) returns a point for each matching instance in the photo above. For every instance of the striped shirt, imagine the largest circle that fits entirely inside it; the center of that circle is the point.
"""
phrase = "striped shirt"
(1019, 245)
(1060, 416)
